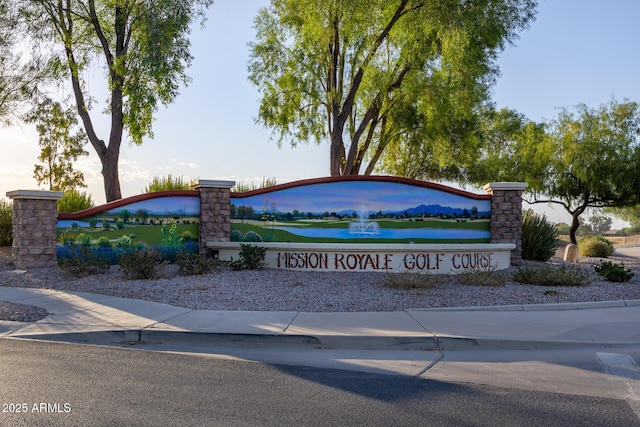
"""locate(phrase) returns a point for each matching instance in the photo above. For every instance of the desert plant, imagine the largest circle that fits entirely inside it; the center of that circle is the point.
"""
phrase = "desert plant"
(242, 187)
(548, 275)
(250, 258)
(104, 242)
(83, 240)
(6, 223)
(539, 237)
(595, 246)
(74, 201)
(190, 264)
(139, 264)
(166, 183)
(614, 272)
(408, 281)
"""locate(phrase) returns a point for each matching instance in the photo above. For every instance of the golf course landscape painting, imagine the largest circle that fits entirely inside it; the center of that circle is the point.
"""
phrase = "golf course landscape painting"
(166, 219)
(360, 210)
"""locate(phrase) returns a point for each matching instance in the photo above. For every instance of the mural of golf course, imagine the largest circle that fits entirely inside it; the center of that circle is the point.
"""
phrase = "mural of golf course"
(166, 218)
(362, 210)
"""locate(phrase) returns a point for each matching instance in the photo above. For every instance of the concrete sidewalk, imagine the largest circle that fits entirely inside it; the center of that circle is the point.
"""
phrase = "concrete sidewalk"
(100, 319)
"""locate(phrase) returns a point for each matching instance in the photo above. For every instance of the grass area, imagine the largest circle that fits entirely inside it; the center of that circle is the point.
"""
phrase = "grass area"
(147, 234)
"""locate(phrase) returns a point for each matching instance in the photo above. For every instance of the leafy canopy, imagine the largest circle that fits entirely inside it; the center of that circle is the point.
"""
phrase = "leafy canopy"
(376, 76)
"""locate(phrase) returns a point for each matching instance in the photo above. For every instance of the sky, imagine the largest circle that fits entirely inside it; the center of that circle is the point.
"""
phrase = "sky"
(576, 51)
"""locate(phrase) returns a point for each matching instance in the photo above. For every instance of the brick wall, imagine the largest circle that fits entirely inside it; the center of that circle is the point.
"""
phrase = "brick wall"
(35, 217)
(506, 215)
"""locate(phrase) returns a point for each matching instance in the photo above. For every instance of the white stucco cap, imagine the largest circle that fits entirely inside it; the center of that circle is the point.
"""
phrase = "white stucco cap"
(35, 194)
(210, 183)
(493, 186)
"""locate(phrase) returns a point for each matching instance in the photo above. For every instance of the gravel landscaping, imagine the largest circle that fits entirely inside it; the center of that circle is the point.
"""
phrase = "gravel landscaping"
(277, 290)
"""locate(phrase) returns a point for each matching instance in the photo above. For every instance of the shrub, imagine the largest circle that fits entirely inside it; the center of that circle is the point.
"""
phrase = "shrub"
(6, 223)
(614, 272)
(236, 236)
(190, 264)
(186, 236)
(251, 258)
(74, 201)
(104, 242)
(166, 183)
(412, 281)
(139, 264)
(539, 237)
(547, 275)
(122, 242)
(595, 246)
(83, 240)
(251, 236)
(81, 261)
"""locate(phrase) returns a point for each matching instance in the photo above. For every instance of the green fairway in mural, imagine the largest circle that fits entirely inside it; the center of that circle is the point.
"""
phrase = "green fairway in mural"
(361, 210)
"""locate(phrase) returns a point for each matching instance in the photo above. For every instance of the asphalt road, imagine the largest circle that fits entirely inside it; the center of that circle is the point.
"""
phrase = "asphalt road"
(72, 384)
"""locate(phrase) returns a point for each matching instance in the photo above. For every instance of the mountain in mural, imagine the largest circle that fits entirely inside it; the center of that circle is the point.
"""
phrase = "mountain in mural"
(428, 210)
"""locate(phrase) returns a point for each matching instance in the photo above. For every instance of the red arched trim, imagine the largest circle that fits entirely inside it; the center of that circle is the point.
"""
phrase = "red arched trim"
(373, 178)
(127, 201)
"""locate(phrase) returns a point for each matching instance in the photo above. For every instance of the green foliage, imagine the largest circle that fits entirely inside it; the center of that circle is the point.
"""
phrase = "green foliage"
(164, 183)
(83, 239)
(614, 272)
(242, 187)
(548, 275)
(405, 78)
(6, 223)
(595, 246)
(104, 242)
(409, 281)
(83, 263)
(122, 242)
(190, 264)
(139, 265)
(74, 201)
(59, 149)
(539, 237)
(186, 236)
(236, 236)
(251, 236)
(250, 258)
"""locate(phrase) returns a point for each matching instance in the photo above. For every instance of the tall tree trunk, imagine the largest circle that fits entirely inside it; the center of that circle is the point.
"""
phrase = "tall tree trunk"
(575, 223)
(337, 155)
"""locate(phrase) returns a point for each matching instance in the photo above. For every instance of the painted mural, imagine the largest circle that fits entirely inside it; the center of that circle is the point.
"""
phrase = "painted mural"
(167, 219)
(360, 210)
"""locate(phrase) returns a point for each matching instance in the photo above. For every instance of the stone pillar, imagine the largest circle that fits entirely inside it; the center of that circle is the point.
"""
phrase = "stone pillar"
(215, 211)
(506, 214)
(35, 221)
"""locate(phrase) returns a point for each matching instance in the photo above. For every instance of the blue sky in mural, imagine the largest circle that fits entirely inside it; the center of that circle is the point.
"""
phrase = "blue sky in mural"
(372, 196)
(165, 205)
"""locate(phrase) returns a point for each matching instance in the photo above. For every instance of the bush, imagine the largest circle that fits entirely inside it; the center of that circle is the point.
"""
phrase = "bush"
(104, 242)
(251, 236)
(547, 275)
(122, 242)
(6, 223)
(595, 246)
(190, 264)
(138, 265)
(251, 258)
(481, 278)
(539, 237)
(74, 201)
(166, 183)
(236, 236)
(614, 272)
(83, 240)
(81, 261)
(409, 281)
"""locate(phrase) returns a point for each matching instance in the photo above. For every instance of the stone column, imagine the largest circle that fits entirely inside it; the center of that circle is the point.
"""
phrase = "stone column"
(215, 211)
(35, 221)
(506, 214)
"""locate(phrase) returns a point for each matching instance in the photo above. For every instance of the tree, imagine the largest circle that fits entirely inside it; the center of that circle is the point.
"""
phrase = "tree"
(143, 47)
(18, 78)
(378, 74)
(60, 148)
(600, 223)
(593, 161)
